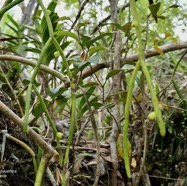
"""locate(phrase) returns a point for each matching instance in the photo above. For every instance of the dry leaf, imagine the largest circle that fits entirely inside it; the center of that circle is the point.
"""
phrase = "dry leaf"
(158, 50)
(163, 105)
(84, 56)
(120, 147)
(58, 175)
(133, 164)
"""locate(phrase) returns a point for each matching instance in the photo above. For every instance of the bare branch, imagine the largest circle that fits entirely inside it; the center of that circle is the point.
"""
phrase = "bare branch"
(79, 13)
(31, 133)
(108, 17)
(133, 58)
(88, 72)
(28, 12)
(152, 52)
(33, 64)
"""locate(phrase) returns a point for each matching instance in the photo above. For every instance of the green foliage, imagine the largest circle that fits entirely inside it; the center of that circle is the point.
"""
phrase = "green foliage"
(79, 49)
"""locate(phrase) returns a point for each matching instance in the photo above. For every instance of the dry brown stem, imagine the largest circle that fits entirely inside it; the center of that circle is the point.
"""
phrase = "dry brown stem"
(49, 151)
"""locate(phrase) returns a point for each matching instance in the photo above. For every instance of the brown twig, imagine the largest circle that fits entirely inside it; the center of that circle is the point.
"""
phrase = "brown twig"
(117, 44)
(94, 126)
(88, 72)
(33, 64)
(79, 13)
(49, 151)
(133, 58)
(152, 52)
(108, 17)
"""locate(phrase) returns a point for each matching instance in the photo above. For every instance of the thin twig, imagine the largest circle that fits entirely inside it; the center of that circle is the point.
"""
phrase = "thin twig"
(94, 126)
(31, 133)
(144, 155)
(108, 17)
(33, 64)
(79, 13)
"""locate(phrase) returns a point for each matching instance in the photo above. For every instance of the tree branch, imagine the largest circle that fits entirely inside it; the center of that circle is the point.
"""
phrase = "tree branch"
(79, 13)
(152, 52)
(33, 64)
(133, 58)
(88, 72)
(108, 17)
(49, 151)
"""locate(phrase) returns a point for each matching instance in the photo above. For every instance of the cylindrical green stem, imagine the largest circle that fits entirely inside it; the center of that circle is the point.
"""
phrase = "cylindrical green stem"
(157, 110)
(70, 137)
(8, 7)
(51, 122)
(154, 98)
(41, 170)
(126, 123)
(28, 96)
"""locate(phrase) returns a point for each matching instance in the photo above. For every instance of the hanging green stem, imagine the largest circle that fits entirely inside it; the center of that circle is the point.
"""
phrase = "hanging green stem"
(154, 98)
(28, 95)
(43, 164)
(72, 85)
(63, 58)
(51, 122)
(70, 137)
(157, 110)
(126, 123)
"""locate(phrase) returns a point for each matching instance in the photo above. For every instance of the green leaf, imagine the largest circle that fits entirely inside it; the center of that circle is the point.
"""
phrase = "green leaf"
(27, 81)
(81, 65)
(174, 6)
(44, 27)
(95, 49)
(95, 59)
(85, 40)
(30, 28)
(60, 103)
(107, 106)
(92, 41)
(34, 50)
(55, 92)
(63, 18)
(154, 8)
(161, 17)
(177, 88)
(89, 92)
(50, 51)
(52, 6)
(112, 73)
(38, 108)
(53, 16)
(97, 105)
(90, 84)
(128, 67)
(127, 27)
(13, 29)
(13, 22)
(79, 25)
(66, 33)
